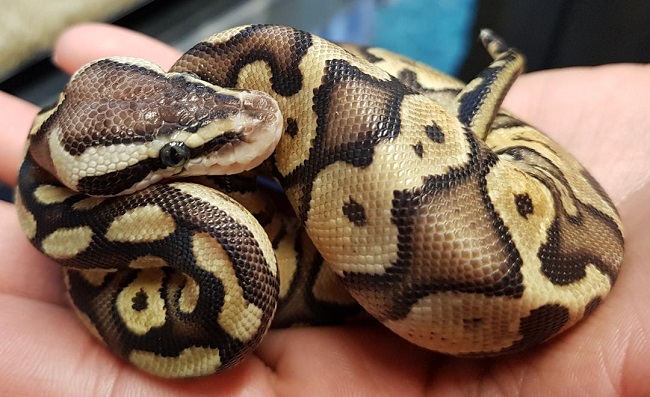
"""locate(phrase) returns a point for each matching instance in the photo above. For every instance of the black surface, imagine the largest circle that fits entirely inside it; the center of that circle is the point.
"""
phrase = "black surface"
(561, 33)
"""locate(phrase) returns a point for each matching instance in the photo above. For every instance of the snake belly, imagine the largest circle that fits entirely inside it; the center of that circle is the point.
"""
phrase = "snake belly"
(459, 227)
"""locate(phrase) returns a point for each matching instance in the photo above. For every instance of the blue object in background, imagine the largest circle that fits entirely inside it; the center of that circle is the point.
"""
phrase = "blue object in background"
(435, 32)
(352, 24)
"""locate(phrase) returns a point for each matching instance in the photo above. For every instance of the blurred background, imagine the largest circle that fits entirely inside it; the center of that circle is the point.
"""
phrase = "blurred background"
(441, 33)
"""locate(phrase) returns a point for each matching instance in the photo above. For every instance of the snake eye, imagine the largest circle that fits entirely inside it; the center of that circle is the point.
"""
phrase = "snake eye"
(174, 154)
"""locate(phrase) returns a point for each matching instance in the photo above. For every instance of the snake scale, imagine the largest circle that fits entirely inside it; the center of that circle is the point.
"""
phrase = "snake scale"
(461, 228)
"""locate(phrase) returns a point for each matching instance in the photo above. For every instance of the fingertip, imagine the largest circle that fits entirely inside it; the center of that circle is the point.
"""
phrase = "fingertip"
(16, 116)
(86, 42)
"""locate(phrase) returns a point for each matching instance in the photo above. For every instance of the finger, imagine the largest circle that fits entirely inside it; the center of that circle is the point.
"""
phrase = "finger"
(579, 108)
(86, 42)
(541, 96)
(15, 119)
(366, 356)
(46, 351)
(24, 272)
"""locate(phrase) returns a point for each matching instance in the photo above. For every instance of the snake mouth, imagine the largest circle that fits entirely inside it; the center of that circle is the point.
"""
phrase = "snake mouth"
(239, 142)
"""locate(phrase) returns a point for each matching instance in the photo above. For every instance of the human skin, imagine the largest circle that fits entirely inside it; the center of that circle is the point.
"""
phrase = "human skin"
(600, 114)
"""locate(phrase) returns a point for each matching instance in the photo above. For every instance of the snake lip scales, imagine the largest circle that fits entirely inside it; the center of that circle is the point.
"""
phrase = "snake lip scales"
(461, 228)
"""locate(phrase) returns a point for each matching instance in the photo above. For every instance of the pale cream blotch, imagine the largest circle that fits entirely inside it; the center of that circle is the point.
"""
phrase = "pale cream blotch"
(66, 243)
(189, 296)
(147, 262)
(25, 217)
(349, 248)
(191, 362)
(328, 287)
(454, 323)
(143, 224)
(285, 253)
(88, 203)
(528, 232)
(287, 264)
(94, 277)
(571, 168)
(49, 194)
(239, 318)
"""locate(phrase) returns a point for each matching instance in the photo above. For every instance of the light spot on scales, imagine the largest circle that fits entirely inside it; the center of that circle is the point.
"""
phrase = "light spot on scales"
(147, 262)
(294, 150)
(66, 243)
(189, 296)
(48, 194)
(328, 288)
(94, 277)
(455, 323)
(575, 296)
(140, 305)
(238, 317)
(88, 203)
(25, 218)
(285, 251)
(193, 361)
(581, 189)
(529, 232)
(142, 224)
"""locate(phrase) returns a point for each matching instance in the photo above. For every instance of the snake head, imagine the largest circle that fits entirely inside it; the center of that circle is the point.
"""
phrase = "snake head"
(122, 124)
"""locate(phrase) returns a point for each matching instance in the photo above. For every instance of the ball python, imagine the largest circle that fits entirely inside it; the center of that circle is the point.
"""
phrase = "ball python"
(459, 227)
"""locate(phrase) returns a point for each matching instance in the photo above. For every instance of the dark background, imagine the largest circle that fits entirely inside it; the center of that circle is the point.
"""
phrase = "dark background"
(561, 33)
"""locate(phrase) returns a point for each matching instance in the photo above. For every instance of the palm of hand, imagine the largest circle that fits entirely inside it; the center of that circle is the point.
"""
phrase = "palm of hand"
(599, 114)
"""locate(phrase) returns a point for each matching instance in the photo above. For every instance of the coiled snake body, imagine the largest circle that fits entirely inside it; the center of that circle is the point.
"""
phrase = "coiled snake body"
(456, 225)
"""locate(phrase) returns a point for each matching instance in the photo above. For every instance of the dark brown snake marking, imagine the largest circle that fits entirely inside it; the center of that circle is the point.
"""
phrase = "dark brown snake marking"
(459, 227)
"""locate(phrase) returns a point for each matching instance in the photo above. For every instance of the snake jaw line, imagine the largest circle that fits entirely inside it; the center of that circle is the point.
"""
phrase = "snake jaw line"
(250, 137)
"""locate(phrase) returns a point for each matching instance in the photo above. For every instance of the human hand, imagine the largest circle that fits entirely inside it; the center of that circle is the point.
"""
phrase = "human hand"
(599, 114)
